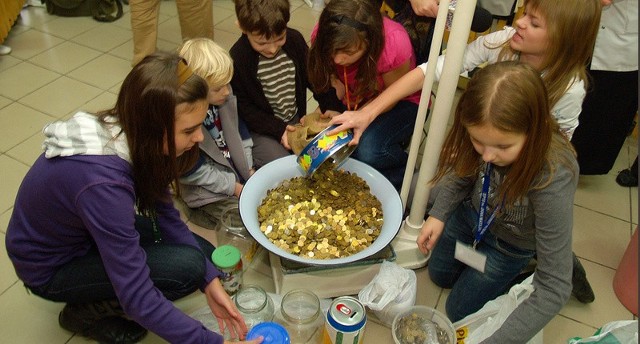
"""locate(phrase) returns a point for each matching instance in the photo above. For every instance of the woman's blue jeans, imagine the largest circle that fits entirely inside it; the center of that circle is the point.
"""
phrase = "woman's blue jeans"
(471, 289)
(176, 270)
(382, 145)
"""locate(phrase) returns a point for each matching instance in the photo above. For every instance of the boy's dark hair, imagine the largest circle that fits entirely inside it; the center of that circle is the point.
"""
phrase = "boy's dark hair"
(263, 17)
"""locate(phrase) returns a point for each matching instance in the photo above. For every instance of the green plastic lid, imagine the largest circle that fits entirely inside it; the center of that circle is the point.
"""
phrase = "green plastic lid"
(225, 256)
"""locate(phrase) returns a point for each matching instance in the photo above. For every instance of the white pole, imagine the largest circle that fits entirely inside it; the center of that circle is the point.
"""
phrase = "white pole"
(404, 244)
(425, 97)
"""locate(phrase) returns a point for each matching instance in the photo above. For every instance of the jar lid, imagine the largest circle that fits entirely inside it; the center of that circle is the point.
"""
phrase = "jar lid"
(272, 333)
(226, 256)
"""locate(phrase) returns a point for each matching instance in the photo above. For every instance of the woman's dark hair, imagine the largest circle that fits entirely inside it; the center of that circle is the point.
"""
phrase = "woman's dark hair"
(145, 110)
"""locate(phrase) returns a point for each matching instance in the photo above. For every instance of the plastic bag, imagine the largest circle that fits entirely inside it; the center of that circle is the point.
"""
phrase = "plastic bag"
(478, 326)
(615, 332)
(391, 291)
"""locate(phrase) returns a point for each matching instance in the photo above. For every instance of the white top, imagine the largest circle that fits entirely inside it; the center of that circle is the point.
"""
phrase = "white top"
(616, 46)
(485, 49)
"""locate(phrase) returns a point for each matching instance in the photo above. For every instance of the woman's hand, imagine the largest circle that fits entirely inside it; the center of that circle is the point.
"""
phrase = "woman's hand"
(225, 310)
(339, 86)
(429, 234)
(356, 120)
(425, 8)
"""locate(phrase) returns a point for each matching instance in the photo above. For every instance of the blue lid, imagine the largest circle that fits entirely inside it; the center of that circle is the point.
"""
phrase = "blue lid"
(272, 333)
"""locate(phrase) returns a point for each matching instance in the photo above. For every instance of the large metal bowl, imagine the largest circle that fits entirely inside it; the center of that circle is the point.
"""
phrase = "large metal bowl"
(273, 173)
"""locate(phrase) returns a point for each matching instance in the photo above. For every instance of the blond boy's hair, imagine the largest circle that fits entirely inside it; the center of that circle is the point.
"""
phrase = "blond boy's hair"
(208, 60)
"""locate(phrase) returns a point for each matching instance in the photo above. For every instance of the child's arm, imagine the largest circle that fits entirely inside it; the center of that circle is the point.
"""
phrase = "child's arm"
(359, 120)
(247, 142)
(552, 208)
(212, 177)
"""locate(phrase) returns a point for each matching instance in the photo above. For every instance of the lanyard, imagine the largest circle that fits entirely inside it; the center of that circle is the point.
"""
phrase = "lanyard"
(346, 87)
(482, 226)
(157, 237)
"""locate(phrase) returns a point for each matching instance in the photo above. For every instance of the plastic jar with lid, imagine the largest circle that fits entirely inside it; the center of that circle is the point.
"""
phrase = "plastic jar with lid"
(300, 314)
(233, 232)
(228, 260)
(254, 304)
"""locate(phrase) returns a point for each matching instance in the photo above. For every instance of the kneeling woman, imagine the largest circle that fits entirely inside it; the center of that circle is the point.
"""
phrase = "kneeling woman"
(75, 235)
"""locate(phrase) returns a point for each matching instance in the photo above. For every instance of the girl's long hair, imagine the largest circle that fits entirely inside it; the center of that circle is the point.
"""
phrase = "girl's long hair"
(572, 27)
(145, 110)
(511, 97)
(343, 25)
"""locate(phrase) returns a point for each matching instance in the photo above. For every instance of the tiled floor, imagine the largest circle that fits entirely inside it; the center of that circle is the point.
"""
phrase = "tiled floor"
(59, 65)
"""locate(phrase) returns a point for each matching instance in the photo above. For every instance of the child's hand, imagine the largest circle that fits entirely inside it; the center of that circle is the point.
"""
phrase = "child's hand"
(426, 8)
(429, 235)
(238, 189)
(329, 114)
(284, 140)
(339, 86)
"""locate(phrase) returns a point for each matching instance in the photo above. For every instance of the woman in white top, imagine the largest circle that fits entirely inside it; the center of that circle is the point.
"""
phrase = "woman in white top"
(612, 100)
(554, 37)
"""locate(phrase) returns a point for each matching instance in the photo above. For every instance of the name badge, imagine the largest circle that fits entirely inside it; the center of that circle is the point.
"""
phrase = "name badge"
(469, 256)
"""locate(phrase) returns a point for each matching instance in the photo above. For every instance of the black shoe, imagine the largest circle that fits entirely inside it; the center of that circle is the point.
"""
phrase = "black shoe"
(581, 287)
(110, 329)
(627, 178)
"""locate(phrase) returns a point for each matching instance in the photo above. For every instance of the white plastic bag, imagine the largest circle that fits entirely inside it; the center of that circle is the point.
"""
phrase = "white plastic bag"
(615, 332)
(478, 326)
(391, 291)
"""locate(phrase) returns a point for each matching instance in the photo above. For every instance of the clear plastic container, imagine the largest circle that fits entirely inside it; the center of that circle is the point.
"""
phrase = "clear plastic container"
(300, 314)
(422, 324)
(233, 232)
(254, 304)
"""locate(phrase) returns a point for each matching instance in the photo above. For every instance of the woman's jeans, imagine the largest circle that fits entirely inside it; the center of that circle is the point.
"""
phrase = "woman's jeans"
(176, 270)
(471, 289)
(382, 145)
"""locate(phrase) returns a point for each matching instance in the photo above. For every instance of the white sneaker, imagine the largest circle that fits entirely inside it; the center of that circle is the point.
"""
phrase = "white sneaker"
(5, 50)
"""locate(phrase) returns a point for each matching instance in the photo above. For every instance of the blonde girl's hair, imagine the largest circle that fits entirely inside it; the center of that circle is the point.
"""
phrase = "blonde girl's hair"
(509, 96)
(208, 60)
(572, 27)
(344, 25)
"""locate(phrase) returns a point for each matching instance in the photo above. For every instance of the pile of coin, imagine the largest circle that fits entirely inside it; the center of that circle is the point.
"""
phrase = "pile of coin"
(329, 215)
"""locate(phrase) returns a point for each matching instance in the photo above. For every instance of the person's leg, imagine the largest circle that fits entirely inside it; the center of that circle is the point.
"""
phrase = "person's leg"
(144, 26)
(382, 145)
(474, 288)
(444, 269)
(607, 113)
(196, 18)
(266, 149)
(177, 270)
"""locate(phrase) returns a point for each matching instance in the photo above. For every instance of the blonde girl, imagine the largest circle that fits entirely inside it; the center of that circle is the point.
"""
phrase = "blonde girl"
(556, 38)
